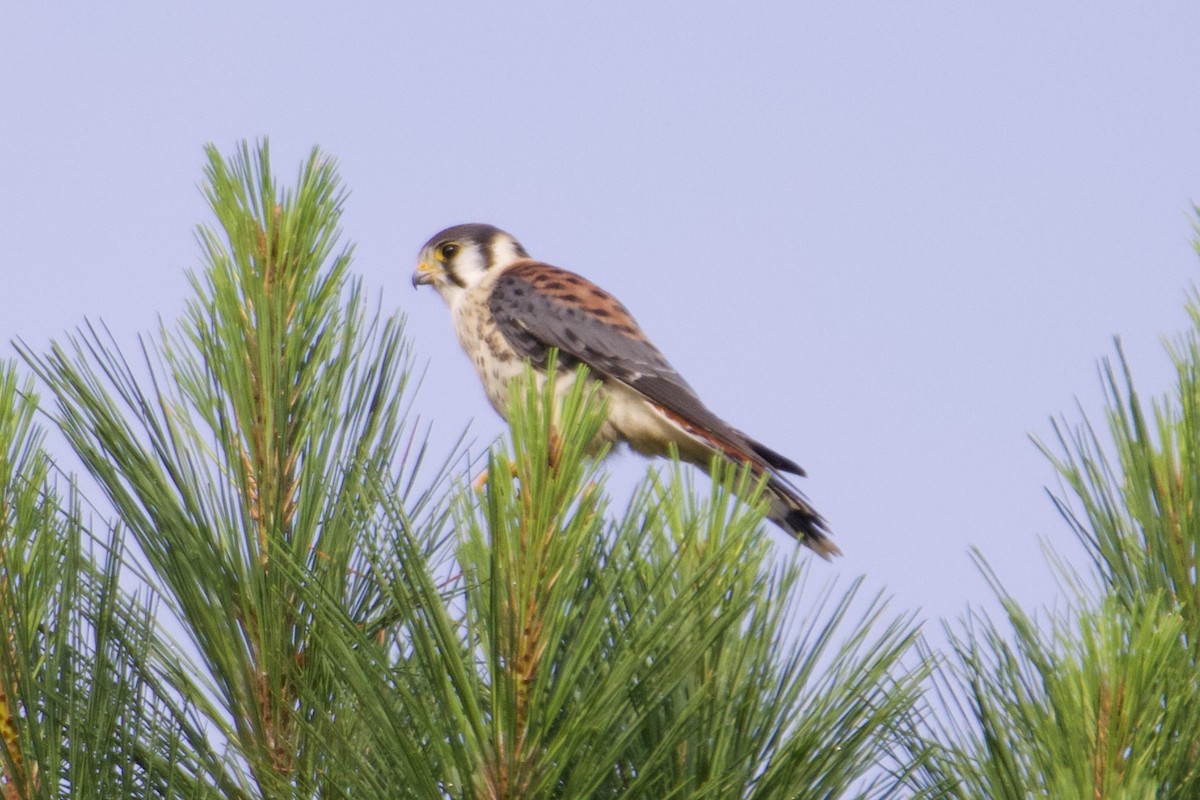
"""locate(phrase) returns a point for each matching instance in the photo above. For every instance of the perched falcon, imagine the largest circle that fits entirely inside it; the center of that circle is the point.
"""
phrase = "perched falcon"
(509, 309)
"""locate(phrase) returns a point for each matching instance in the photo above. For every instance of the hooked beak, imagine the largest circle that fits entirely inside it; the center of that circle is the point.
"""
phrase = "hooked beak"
(425, 273)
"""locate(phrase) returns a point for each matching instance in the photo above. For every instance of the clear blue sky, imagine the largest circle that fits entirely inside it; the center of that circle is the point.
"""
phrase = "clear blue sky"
(889, 239)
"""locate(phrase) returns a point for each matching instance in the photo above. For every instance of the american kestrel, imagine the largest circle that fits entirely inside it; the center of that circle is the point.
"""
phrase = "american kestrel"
(510, 309)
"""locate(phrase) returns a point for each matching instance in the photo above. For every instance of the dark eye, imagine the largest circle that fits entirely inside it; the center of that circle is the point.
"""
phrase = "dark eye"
(449, 251)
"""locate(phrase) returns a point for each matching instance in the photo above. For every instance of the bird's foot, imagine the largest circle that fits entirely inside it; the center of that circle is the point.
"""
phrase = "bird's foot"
(481, 479)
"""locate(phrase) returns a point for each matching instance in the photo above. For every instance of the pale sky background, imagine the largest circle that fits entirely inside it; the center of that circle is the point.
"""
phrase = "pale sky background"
(889, 239)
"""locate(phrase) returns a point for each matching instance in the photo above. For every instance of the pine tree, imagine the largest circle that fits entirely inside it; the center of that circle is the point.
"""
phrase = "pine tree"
(88, 707)
(1100, 699)
(290, 596)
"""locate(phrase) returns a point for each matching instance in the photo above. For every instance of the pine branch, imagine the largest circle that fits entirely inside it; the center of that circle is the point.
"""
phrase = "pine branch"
(652, 655)
(1099, 700)
(241, 465)
(88, 713)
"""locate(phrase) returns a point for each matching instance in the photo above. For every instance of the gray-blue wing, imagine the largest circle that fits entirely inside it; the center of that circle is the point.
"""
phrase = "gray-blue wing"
(538, 306)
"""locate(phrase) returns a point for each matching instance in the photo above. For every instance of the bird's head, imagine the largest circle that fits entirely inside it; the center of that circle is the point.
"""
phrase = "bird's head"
(459, 258)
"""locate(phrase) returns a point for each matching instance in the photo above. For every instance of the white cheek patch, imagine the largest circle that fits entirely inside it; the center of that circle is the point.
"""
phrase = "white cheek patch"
(469, 267)
(504, 252)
